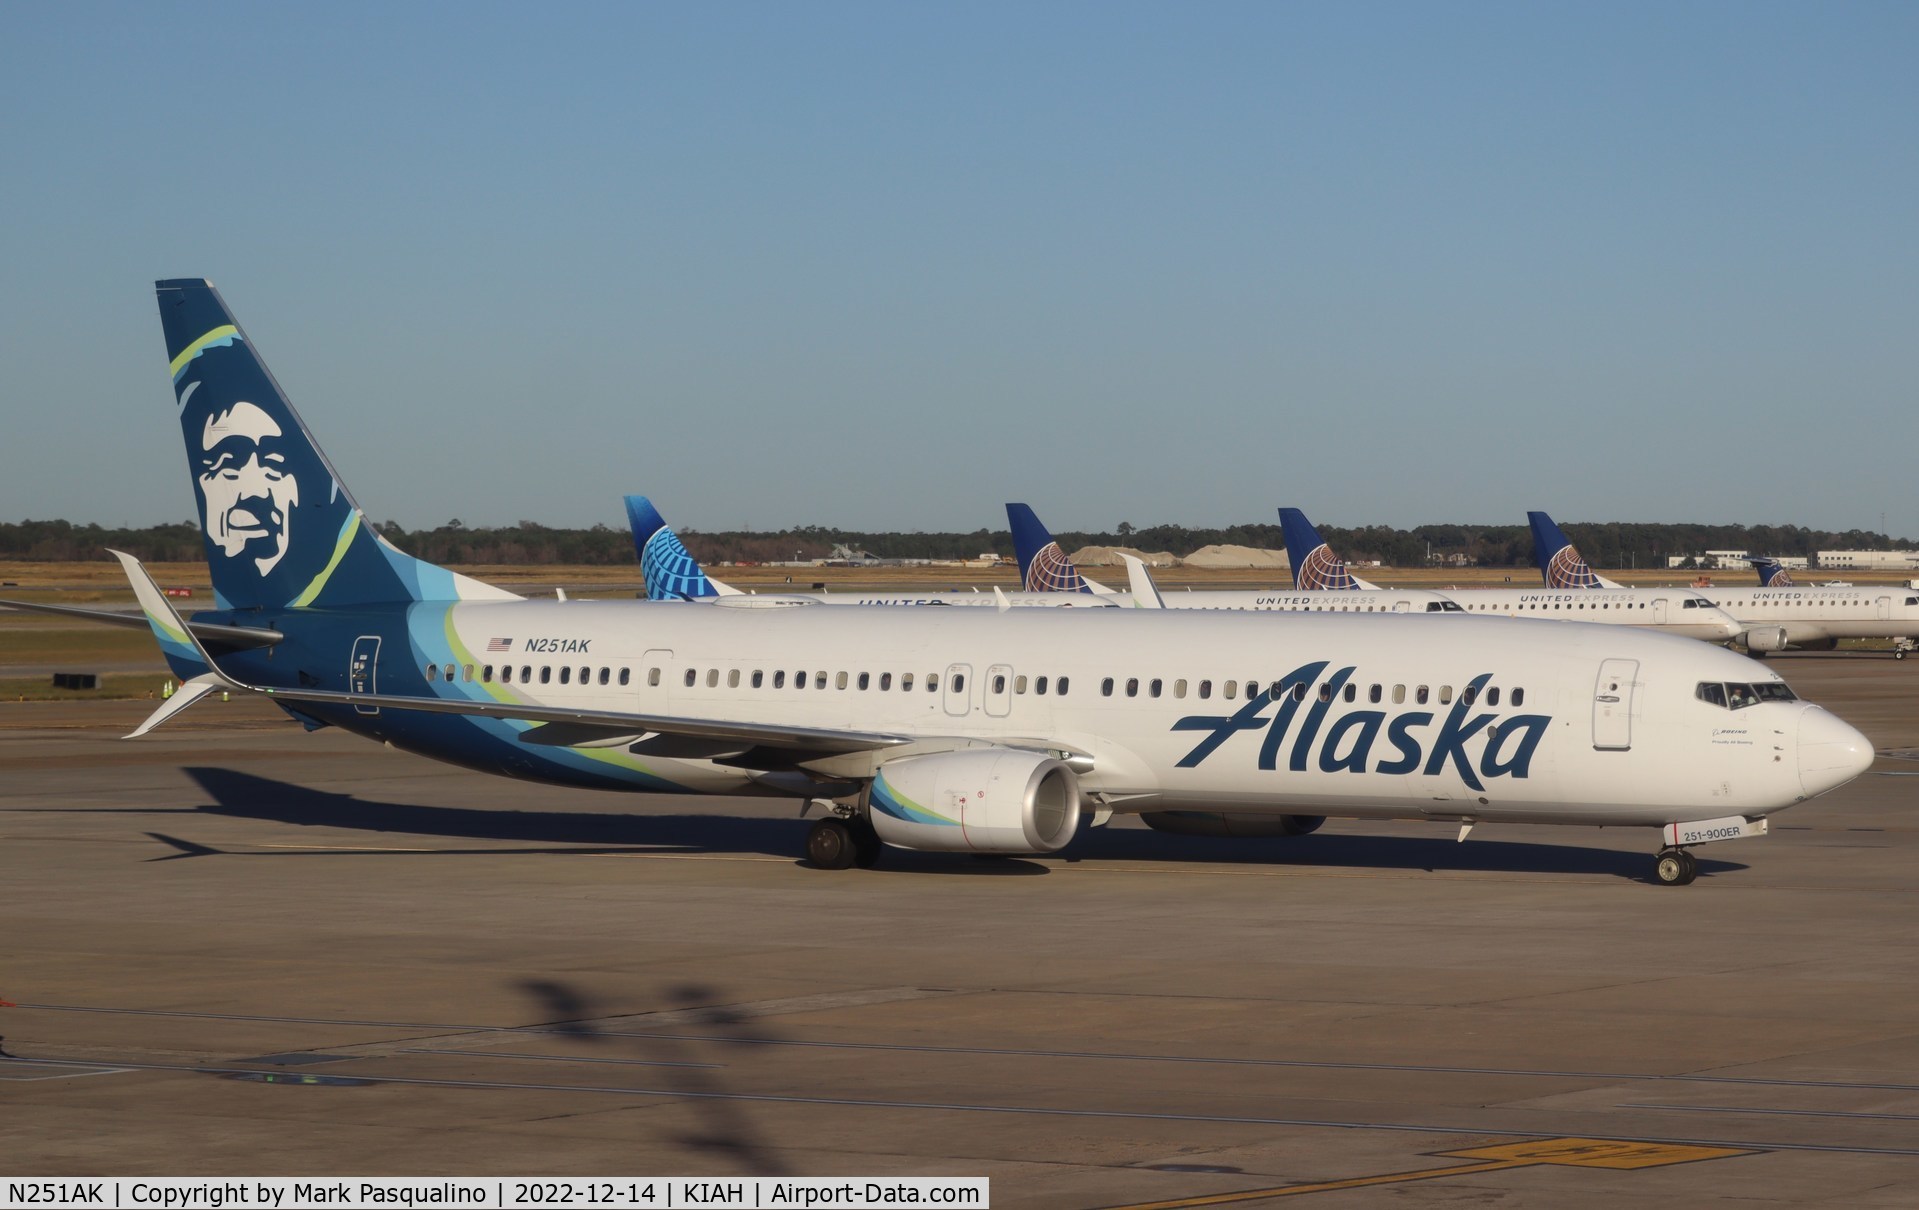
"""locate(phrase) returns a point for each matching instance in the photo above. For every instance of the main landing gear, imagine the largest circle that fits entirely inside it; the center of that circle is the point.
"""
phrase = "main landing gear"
(1675, 867)
(1900, 646)
(840, 842)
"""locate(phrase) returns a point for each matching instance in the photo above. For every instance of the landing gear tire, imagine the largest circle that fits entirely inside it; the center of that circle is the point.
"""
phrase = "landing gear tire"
(867, 845)
(1899, 654)
(830, 845)
(1675, 867)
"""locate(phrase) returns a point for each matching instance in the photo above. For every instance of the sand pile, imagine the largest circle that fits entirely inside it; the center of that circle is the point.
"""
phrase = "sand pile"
(1236, 556)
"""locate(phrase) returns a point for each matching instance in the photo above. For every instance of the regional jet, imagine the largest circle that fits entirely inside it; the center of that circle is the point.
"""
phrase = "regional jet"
(1669, 610)
(1045, 567)
(1776, 616)
(950, 730)
(672, 573)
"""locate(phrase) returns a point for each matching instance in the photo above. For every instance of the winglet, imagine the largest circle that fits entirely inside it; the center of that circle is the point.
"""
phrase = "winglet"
(188, 693)
(1140, 581)
(1000, 600)
(177, 640)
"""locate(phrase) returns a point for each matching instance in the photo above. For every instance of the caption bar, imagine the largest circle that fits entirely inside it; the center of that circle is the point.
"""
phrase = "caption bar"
(498, 1193)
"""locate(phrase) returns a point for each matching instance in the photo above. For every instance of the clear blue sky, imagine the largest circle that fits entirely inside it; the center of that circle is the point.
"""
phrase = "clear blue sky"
(888, 266)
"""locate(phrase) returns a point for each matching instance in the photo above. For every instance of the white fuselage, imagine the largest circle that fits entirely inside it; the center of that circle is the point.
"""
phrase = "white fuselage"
(1816, 613)
(1676, 611)
(1399, 716)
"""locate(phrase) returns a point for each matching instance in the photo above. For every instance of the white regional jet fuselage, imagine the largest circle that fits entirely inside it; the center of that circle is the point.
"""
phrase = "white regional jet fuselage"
(1819, 615)
(1675, 611)
(1293, 600)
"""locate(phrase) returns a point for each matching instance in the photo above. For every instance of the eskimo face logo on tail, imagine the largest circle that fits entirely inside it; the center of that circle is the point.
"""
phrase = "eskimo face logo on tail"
(1324, 570)
(247, 492)
(1567, 570)
(1052, 571)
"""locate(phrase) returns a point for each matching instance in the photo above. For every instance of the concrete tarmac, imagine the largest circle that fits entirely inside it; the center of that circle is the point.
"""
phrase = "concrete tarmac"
(235, 948)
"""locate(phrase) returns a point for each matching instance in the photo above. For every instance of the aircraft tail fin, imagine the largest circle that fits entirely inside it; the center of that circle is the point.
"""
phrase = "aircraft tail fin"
(1043, 566)
(670, 570)
(1315, 566)
(1559, 560)
(1772, 573)
(279, 526)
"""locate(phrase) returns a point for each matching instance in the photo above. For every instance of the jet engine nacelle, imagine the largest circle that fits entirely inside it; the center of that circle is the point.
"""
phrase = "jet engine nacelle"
(1214, 823)
(1766, 638)
(982, 800)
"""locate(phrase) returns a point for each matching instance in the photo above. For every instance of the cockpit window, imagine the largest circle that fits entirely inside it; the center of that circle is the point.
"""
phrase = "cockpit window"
(1738, 696)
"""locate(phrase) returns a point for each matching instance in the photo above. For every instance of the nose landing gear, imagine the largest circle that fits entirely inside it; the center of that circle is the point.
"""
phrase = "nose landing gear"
(1675, 867)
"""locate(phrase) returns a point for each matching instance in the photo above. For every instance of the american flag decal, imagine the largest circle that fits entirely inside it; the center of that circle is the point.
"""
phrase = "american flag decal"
(499, 645)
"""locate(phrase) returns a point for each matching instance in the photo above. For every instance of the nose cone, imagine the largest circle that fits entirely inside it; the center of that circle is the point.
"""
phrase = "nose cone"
(1831, 752)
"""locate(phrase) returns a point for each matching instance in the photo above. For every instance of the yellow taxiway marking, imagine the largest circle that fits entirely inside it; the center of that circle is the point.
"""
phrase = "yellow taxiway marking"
(1576, 1153)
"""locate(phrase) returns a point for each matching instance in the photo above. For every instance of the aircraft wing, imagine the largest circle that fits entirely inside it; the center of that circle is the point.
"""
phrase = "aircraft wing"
(163, 618)
(233, 638)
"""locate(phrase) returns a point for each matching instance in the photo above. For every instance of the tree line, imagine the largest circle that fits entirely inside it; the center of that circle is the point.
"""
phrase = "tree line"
(528, 543)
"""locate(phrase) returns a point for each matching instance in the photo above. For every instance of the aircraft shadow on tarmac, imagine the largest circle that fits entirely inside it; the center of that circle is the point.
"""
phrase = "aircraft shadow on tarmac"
(248, 796)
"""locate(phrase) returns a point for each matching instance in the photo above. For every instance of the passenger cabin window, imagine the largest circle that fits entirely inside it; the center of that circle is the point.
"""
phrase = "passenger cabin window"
(449, 674)
(1399, 695)
(1132, 686)
(652, 677)
(906, 681)
(1106, 687)
(1062, 685)
(1420, 695)
(1229, 690)
(1179, 688)
(999, 683)
(886, 680)
(1445, 695)
(1519, 697)
(819, 680)
(1152, 689)
(839, 680)
(1019, 684)
(779, 678)
(466, 672)
(1374, 693)
(691, 677)
(486, 674)
(1039, 686)
(732, 678)
(712, 678)
(759, 678)
(933, 682)
(546, 674)
(566, 674)
(526, 673)
(506, 674)
(1492, 696)
(866, 679)
(432, 672)
(606, 674)
(626, 676)
(959, 683)
(1205, 690)
(799, 679)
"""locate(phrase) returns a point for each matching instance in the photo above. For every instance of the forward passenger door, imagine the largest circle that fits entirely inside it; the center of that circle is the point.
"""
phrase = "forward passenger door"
(1612, 705)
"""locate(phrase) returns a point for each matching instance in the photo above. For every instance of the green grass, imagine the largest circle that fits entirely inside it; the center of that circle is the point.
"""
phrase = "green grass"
(112, 688)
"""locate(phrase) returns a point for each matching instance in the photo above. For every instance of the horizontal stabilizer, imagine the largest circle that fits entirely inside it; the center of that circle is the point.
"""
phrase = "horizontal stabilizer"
(231, 638)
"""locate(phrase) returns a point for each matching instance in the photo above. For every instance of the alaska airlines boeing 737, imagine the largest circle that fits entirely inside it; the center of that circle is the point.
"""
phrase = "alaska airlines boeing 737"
(953, 730)
(673, 574)
(1669, 610)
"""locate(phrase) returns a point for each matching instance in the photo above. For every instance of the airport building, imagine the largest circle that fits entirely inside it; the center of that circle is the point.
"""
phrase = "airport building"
(1870, 560)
